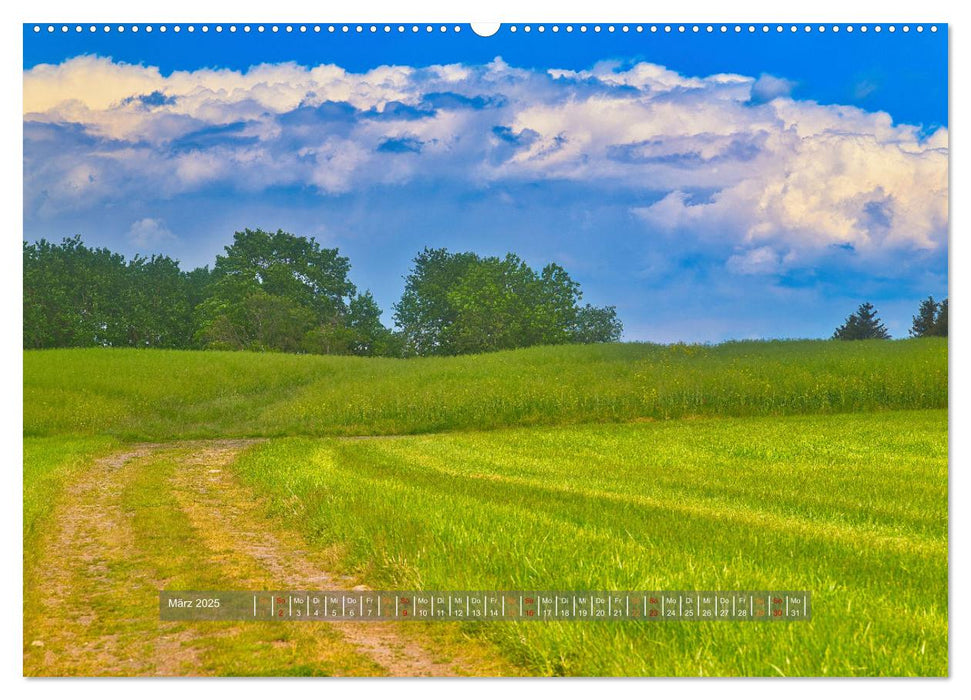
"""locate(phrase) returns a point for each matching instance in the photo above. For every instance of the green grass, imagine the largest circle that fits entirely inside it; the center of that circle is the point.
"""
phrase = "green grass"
(169, 550)
(852, 508)
(49, 463)
(814, 465)
(116, 609)
(163, 395)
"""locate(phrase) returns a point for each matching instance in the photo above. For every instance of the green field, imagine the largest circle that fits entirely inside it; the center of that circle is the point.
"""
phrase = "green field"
(169, 394)
(813, 465)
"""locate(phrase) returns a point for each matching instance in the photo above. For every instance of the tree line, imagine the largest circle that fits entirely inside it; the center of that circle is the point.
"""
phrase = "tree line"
(865, 323)
(281, 292)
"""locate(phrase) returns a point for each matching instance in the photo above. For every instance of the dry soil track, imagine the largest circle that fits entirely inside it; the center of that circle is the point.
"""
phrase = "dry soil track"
(173, 516)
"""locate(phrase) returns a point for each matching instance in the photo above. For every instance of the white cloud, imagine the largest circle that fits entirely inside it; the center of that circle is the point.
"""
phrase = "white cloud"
(737, 161)
(149, 233)
(827, 189)
(758, 261)
(768, 87)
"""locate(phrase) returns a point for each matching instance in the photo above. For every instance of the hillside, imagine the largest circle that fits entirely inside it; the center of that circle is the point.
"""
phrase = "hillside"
(160, 394)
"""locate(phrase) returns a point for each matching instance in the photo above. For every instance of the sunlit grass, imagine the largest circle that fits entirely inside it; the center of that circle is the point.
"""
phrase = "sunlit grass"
(814, 465)
(852, 508)
(143, 394)
(48, 464)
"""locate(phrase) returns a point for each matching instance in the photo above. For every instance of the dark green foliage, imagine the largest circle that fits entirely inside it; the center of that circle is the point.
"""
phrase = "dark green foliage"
(280, 292)
(940, 323)
(75, 296)
(425, 314)
(862, 325)
(369, 336)
(931, 319)
(501, 304)
(270, 290)
(157, 305)
(198, 281)
(277, 291)
(597, 325)
(291, 267)
(923, 322)
(458, 303)
(254, 320)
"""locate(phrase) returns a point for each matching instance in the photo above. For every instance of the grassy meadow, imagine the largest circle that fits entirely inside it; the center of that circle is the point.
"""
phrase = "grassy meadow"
(815, 465)
(798, 503)
(170, 394)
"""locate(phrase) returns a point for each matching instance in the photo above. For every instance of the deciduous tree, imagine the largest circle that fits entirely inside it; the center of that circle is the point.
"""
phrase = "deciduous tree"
(457, 303)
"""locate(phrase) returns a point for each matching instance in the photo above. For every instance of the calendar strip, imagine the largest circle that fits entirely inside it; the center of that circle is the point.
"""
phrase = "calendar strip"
(586, 606)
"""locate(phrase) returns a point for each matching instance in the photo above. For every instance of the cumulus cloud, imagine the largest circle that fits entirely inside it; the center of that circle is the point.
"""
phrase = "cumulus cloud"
(731, 160)
(757, 261)
(768, 87)
(147, 234)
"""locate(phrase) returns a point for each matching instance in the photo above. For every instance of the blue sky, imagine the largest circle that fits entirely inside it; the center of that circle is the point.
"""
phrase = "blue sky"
(711, 186)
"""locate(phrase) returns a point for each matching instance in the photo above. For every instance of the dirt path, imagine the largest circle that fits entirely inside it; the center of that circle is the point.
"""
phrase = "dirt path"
(91, 532)
(173, 516)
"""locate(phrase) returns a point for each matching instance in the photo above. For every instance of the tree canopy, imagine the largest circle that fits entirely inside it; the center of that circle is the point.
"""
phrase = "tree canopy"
(288, 266)
(862, 325)
(278, 291)
(456, 303)
(282, 292)
(77, 296)
(940, 323)
(286, 293)
(931, 319)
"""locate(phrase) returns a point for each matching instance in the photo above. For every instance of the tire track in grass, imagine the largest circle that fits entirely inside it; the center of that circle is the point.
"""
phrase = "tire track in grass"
(91, 534)
(228, 519)
(118, 537)
(496, 487)
(175, 557)
(160, 516)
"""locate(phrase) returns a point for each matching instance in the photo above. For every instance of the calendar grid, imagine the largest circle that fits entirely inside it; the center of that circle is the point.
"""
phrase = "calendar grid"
(588, 606)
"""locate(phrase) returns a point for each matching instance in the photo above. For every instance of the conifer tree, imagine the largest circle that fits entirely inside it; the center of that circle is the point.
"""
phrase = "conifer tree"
(940, 323)
(925, 319)
(863, 325)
